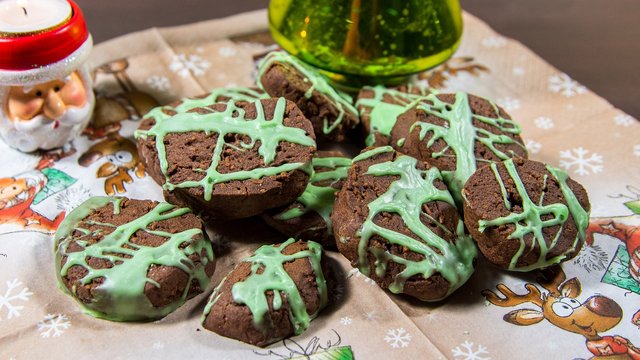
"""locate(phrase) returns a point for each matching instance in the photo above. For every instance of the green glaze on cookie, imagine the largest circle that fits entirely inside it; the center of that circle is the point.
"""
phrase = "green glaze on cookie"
(238, 93)
(269, 275)
(320, 198)
(534, 217)
(372, 152)
(383, 115)
(120, 296)
(406, 197)
(231, 121)
(461, 135)
(317, 82)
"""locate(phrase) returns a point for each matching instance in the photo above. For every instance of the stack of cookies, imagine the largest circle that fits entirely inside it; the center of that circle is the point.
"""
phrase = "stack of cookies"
(439, 174)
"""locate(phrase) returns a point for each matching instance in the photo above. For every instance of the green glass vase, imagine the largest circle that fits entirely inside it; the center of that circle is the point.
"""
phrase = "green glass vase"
(368, 41)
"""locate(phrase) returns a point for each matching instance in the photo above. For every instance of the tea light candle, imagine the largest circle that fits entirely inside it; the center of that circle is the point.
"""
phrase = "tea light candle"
(37, 34)
(29, 16)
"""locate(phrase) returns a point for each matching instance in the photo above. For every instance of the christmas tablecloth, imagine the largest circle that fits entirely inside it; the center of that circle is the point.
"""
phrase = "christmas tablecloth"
(563, 124)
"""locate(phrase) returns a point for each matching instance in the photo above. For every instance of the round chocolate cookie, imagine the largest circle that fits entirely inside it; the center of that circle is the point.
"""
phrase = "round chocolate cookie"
(457, 133)
(271, 295)
(309, 217)
(228, 160)
(132, 260)
(525, 215)
(331, 111)
(395, 220)
(379, 108)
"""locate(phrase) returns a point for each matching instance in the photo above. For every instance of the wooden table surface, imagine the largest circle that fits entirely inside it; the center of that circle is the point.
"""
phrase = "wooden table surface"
(597, 42)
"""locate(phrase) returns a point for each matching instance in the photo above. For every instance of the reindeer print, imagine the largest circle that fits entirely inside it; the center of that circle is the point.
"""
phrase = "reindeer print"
(121, 157)
(110, 110)
(436, 78)
(559, 306)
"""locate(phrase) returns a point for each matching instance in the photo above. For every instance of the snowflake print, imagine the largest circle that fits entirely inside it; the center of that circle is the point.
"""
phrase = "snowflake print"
(159, 83)
(543, 122)
(563, 84)
(534, 147)
(467, 351)
(358, 274)
(592, 258)
(371, 316)
(346, 320)
(509, 103)
(72, 198)
(624, 120)
(580, 161)
(9, 298)
(53, 325)
(398, 338)
(636, 150)
(227, 51)
(494, 42)
(183, 65)
(518, 71)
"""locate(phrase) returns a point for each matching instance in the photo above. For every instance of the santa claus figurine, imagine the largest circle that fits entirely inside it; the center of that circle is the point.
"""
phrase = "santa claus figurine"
(46, 96)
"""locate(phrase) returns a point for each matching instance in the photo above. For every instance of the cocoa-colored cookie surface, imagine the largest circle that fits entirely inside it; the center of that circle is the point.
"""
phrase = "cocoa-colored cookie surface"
(379, 108)
(331, 111)
(132, 260)
(271, 295)
(395, 220)
(525, 215)
(457, 133)
(228, 160)
(308, 218)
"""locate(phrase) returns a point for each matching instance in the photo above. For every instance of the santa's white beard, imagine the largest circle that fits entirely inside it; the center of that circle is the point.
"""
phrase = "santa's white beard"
(42, 132)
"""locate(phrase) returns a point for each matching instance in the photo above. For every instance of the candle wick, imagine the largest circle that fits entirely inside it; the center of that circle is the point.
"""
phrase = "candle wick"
(25, 11)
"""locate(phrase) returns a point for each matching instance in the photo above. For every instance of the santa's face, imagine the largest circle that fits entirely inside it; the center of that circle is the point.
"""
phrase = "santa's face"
(48, 115)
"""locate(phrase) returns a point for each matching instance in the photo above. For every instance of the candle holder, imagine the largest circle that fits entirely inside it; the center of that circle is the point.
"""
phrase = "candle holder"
(46, 96)
(368, 41)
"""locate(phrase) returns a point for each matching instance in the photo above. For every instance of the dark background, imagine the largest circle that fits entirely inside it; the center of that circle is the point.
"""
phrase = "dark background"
(597, 42)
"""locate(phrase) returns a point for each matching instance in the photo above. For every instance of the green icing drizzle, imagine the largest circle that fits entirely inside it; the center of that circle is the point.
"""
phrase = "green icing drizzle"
(231, 121)
(238, 93)
(579, 214)
(406, 197)
(318, 83)
(530, 220)
(320, 198)
(268, 275)
(121, 295)
(460, 136)
(373, 152)
(383, 114)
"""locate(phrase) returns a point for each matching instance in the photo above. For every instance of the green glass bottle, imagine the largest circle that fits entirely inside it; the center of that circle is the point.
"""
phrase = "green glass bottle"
(368, 40)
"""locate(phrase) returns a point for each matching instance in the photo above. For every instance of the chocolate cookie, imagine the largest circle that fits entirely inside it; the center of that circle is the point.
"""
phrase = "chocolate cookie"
(395, 220)
(331, 111)
(379, 108)
(131, 260)
(228, 160)
(457, 133)
(271, 295)
(309, 217)
(525, 215)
